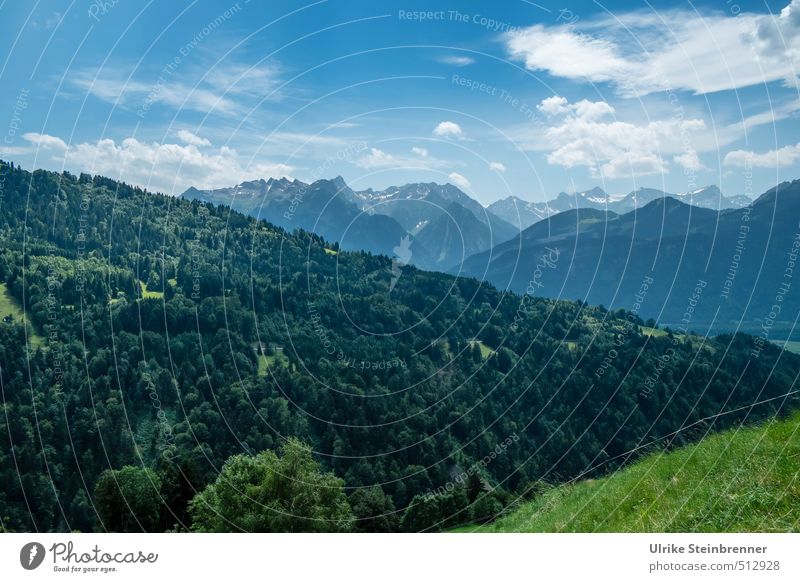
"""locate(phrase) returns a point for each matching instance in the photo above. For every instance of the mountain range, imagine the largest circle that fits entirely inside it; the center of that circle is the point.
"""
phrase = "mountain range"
(444, 225)
(721, 270)
(523, 213)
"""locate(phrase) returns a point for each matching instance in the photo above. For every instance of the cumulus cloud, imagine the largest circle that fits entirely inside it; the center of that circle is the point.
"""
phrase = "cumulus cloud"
(190, 138)
(554, 105)
(164, 167)
(448, 129)
(45, 141)
(421, 152)
(689, 161)
(497, 167)
(641, 53)
(585, 134)
(633, 163)
(459, 180)
(583, 109)
(778, 34)
(376, 158)
(780, 158)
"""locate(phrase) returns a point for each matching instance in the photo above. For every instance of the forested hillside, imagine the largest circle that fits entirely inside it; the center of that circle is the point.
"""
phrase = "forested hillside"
(165, 337)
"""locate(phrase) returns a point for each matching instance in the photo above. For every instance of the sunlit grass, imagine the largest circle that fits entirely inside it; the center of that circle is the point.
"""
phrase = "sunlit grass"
(150, 294)
(10, 307)
(486, 351)
(265, 362)
(653, 332)
(736, 481)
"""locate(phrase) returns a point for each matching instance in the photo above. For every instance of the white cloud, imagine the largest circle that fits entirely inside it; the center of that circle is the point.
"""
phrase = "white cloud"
(14, 150)
(534, 138)
(164, 167)
(590, 110)
(242, 79)
(641, 53)
(780, 158)
(554, 105)
(220, 89)
(564, 53)
(583, 135)
(634, 163)
(583, 109)
(448, 129)
(497, 167)
(190, 138)
(777, 34)
(142, 96)
(378, 159)
(455, 60)
(689, 161)
(45, 141)
(459, 180)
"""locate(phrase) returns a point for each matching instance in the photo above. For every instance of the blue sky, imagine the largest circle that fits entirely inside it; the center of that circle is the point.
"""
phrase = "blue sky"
(497, 97)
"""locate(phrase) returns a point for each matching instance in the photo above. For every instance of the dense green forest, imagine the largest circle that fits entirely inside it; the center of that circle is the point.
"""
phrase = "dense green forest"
(185, 367)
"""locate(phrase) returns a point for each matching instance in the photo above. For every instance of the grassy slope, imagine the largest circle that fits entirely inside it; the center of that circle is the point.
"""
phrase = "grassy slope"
(264, 361)
(150, 294)
(486, 351)
(651, 331)
(735, 481)
(9, 306)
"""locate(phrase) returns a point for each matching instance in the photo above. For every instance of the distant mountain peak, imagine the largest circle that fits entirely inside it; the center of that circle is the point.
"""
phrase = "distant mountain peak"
(668, 202)
(595, 192)
(339, 182)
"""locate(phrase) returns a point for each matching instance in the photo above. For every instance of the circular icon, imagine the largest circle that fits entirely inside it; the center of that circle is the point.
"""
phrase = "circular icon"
(31, 555)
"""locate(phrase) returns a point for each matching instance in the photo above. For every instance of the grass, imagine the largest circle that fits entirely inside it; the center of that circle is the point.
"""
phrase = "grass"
(9, 306)
(486, 351)
(653, 332)
(265, 362)
(150, 294)
(445, 347)
(745, 480)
